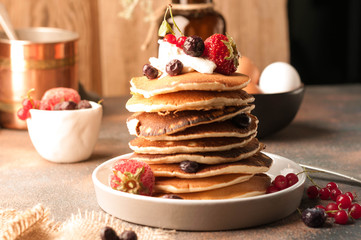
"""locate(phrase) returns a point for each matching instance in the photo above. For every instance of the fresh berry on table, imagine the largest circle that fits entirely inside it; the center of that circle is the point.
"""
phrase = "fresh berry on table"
(314, 217)
(108, 233)
(132, 176)
(128, 235)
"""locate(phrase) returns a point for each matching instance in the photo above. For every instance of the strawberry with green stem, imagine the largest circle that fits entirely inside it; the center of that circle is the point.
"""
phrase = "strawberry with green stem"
(132, 176)
(222, 50)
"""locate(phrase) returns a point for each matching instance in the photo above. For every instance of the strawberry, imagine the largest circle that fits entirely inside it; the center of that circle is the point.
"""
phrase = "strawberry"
(54, 96)
(132, 176)
(223, 52)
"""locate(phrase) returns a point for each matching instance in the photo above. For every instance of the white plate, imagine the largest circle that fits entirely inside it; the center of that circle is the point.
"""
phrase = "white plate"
(200, 215)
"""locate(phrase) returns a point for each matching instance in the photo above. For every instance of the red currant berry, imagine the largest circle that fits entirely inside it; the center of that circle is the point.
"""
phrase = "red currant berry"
(292, 179)
(23, 114)
(180, 41)
(355, 211)
(343, 201)
(350, 195)
(272, 189)
(312, 192)
(281, 182)
(331, 209)
(321, 207)
(324, 193)
(341, 217)
(170, 38)
(334, 193)
(28, 103)
(331, 185)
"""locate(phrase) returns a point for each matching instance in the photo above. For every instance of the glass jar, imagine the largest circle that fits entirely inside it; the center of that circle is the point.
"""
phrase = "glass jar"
(196, 17)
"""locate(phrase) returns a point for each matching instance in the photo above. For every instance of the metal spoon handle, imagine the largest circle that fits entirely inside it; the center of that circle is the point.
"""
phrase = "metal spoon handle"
(6, 24)
(331, 172)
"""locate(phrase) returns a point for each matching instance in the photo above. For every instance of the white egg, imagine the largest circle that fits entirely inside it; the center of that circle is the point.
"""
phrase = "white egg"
(279, 77)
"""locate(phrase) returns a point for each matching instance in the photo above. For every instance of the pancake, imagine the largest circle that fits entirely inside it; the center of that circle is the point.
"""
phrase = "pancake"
(232, 155)
(183, 185)
(226, 128)
(258, 163)
(189, 81)
(188, 100)
(142, 145)
(145, 124)
(255, 186)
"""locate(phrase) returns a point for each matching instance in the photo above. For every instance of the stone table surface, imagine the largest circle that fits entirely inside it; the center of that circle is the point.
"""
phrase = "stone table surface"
(326, 133)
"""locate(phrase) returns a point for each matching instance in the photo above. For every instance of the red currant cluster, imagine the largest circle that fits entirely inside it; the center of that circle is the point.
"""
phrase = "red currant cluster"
(30, 103)
(173, 40)
(282, 182)
(342, 208)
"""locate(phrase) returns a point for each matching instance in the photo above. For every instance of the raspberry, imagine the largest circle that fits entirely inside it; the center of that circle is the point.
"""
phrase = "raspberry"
(223, 52)
(54, 96)
(132, 176)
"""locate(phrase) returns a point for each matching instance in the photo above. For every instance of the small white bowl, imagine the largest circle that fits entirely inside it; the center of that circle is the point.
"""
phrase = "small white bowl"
(65, 136)
(200, 215)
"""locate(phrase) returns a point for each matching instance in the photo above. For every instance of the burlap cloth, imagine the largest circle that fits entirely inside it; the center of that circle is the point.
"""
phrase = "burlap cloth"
(35, 223)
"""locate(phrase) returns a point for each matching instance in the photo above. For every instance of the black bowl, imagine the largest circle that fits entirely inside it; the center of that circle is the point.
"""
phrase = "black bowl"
(276, 110)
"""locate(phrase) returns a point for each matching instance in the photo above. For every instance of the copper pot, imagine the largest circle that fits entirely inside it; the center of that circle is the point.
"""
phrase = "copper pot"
(44, 58)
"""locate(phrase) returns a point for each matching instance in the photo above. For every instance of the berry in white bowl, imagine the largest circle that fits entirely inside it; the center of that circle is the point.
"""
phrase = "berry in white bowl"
(65, 136)
(62, 127)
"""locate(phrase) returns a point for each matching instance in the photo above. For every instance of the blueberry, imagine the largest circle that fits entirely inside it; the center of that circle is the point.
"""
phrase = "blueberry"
(193, 46)
(128, 235)
(84, 104)
(189, 166)
(171, 196)
(174, 67)
(66, 105)
(149, 71)
(314, 217)
(242, 120)
(108, 233)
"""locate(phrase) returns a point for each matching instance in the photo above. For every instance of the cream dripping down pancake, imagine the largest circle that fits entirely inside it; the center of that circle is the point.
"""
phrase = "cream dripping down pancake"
(232, 155)
(189, 81)
(258, 163)
(143, 124)
(142, 145)
(226, 128)
(255, 186)
(183, 185)
(188, 100)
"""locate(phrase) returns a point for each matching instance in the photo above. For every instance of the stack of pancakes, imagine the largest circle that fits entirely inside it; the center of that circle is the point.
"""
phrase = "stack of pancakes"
(193, 117)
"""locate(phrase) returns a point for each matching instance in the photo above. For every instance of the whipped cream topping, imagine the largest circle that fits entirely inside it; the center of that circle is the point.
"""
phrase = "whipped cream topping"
(168, 52)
